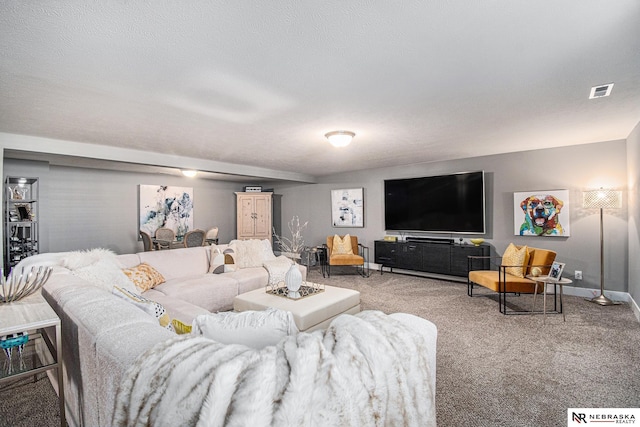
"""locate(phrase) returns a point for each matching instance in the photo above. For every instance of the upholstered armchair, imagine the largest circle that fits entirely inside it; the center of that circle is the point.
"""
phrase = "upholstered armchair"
(513, 274)
(346, 251)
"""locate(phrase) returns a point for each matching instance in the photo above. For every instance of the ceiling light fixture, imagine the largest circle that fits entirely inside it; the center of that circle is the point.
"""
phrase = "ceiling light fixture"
(189, 173)
(340, 138)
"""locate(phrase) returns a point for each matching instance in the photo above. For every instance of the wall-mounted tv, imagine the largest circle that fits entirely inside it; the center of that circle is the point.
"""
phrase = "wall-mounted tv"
(439, 204)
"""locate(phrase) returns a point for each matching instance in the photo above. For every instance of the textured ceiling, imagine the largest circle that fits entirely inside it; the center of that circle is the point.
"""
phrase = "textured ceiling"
(260, 83)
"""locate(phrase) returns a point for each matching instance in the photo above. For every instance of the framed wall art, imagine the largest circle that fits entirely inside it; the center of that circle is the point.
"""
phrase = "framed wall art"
(347, 207)
(166, 206)
(541, 213)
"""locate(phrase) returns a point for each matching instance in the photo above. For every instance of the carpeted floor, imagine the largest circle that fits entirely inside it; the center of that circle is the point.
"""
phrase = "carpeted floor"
(493, 370)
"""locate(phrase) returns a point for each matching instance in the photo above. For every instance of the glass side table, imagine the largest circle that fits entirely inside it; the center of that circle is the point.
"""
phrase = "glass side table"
(34, 316)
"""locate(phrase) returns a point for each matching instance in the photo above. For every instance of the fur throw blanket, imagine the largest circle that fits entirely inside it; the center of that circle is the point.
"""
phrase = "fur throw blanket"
(363, 370)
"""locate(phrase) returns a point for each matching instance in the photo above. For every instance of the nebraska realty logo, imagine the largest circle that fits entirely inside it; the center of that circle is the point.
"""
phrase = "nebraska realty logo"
(582, 416)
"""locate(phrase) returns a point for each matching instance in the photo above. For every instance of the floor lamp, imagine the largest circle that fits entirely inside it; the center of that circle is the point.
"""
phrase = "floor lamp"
(602, 199)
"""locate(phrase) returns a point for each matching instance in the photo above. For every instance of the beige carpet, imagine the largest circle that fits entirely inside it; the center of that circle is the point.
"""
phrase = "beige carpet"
(493, 370)
(497, 370)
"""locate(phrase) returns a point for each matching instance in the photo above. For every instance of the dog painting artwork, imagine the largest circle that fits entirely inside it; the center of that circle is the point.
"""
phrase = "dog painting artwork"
(541, 213)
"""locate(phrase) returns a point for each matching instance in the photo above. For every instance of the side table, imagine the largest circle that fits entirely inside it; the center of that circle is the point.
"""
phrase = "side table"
(34, 316)
(316, 255)
(548, 280)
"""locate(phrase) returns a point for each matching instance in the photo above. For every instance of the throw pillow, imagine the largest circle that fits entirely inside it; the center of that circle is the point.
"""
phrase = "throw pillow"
(277, 269)
(152, 308)
(106, 274)
(256, 329)
(144, 276)
(267, 251)
(222, 260)
(516, 260)
(342, 245)
(180, 327)
(78, 259)
(249, 253)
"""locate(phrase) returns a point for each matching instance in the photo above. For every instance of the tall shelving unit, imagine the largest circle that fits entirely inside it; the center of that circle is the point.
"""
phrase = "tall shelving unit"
(20, 219)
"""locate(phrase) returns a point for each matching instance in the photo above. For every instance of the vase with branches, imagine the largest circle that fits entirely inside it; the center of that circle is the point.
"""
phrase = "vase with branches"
(291, 247)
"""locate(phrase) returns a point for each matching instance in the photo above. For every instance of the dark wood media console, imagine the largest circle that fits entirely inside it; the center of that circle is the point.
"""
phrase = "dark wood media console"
(440, 256)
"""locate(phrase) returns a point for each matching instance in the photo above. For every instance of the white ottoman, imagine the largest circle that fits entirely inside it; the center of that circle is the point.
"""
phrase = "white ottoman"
(310, 313)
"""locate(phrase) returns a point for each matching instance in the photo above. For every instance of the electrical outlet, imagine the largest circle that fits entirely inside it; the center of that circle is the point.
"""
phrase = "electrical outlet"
(578, 275)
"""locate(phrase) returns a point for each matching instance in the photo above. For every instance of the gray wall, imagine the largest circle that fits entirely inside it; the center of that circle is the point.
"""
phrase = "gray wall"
(88, 208)
(633, 170)
(85, 208)
(576, 169)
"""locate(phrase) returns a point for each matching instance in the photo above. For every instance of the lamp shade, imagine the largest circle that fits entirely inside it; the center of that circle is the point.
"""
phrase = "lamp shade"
(340, 138)
(602, 199)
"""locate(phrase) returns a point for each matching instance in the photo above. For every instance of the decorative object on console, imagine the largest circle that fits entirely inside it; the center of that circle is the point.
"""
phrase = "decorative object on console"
(293, 246)
(477, 242)
(340, 138)
(166, 206)
(347, 207)
(542, 213)
(8, 343)
(19, 284)
(293, 280)
(602, 199)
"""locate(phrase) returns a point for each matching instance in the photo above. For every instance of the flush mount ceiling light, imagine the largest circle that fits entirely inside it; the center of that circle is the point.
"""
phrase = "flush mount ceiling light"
(340, 138)
(601, 91)
(189, 173)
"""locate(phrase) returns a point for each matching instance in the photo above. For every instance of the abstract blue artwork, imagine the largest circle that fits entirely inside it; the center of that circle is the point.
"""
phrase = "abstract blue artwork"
(166, 206)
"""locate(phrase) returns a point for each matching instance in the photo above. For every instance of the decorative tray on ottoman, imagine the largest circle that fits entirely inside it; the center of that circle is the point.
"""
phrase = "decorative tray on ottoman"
(307, 289)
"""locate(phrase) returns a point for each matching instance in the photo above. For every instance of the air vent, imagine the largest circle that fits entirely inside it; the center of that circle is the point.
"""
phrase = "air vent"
(600, 91)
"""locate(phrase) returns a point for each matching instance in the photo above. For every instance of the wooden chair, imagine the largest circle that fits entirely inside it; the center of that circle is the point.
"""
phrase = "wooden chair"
(147, 242)
(193, 238)
(212, 236)
(501, 281)
(165, 237)
(358, 257)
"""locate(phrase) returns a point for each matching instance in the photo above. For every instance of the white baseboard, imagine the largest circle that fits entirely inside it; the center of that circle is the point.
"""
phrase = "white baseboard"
(614, 295)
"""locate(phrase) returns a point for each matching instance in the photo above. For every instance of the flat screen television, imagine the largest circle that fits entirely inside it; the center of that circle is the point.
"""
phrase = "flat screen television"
(439, 204)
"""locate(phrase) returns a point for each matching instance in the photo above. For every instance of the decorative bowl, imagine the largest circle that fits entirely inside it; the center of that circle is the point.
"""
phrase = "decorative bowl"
(477, 241)
(21, 284)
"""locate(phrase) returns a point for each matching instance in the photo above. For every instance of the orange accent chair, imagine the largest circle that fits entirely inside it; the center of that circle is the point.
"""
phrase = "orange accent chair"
(359, 257)
(501, 281)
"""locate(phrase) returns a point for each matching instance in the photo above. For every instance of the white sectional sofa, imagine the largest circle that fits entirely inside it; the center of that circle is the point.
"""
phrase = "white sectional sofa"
(104, 335)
